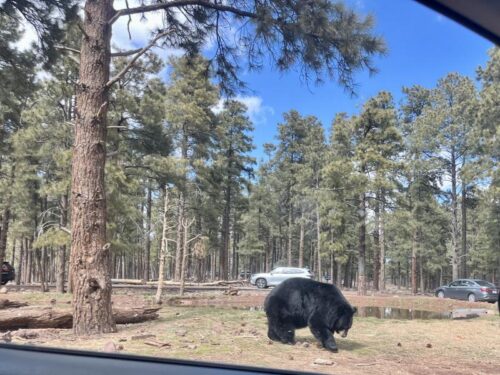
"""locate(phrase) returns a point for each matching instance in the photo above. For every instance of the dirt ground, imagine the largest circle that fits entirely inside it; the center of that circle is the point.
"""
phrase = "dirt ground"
(232, 329)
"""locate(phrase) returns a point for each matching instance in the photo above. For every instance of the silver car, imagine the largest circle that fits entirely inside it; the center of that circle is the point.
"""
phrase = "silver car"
(278, 275)
(469, 289)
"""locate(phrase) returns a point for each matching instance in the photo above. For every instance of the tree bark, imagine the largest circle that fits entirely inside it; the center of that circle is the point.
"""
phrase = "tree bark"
(163, 248)
(414, 262)
(51, 318)
(464, 230)
(90, 254)
(289, 249)
(301, 240)
(6, 304)
(454, 222)
(362, 245)
(61, 253)
(318, 239)
(147, 260)
(224, 251)
(376, 246)
(382, 245)
(178, 248)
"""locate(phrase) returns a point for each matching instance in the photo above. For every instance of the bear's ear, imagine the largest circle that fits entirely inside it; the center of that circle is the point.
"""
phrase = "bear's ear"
(354, 310)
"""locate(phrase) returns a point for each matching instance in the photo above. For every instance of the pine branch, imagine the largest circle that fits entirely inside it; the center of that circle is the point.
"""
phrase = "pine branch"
(178, 4)
(131, 63)
(126, 53)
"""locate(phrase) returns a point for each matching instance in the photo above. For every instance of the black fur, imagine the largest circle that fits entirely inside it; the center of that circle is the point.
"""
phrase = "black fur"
(298, 303)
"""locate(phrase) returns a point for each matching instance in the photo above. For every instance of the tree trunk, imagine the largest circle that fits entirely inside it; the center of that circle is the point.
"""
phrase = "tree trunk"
(61, 253)
(301, 240)
(421, 271)
(147, 260)
(318, 239)
(20, 269)
(376, 246)
(4, 229)
(454, 223)
(414, 262)
(90, 254)
(289, 249)
(362, 245)
(184, 257)
(163, 247)
(224, 251)
(178, 248)
(382, 245)
(464, 230)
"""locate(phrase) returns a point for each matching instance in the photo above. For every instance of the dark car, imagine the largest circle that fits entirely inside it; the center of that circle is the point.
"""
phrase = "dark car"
(469, 289)
(8, 273)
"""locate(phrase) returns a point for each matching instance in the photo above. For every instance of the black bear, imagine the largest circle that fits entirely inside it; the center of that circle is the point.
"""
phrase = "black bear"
(298, 303)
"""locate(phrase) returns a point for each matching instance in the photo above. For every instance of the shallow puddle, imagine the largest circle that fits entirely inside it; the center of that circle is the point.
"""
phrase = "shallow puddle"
(401, 314)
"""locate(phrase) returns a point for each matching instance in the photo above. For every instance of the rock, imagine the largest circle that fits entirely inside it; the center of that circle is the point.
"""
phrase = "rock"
(290, 357)
(28, 335)
(305, 344)
(323, 362)
(53, 301)
(6, 337)
(181, 332)
(399, 344)
(122, 339)
(110, 347)
(468, 313)
(428, 346)
(142, 337)
(269, 342)
(3, 290)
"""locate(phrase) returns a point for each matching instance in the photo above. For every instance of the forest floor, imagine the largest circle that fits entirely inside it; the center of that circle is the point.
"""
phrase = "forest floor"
(232, 329)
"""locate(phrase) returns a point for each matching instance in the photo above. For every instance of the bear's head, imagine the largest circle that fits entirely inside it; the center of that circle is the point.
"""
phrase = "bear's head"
(344, 319)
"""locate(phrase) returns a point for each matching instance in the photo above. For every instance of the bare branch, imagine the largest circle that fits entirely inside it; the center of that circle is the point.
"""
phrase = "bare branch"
(178, 4)
(69, 49)
(131, 63)
(64, 229)
(126, 53)
(65, 48)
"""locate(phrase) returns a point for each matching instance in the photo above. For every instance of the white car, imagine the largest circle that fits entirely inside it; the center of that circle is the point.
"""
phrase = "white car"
(278, 275)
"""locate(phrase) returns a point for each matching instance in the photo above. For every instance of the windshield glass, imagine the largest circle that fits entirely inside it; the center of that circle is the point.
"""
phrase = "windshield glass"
(259, 183)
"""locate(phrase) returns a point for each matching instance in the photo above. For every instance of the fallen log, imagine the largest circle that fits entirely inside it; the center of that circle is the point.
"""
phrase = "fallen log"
(51, 318)
(128, 281)
(6, 304)
(214, 283)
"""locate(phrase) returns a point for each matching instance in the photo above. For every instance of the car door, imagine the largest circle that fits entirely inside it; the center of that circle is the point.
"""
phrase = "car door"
(276, 276)
(452, 291)
(461, 290)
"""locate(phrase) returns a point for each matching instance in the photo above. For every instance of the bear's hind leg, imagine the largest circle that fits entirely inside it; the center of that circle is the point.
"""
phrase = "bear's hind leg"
(322, 333)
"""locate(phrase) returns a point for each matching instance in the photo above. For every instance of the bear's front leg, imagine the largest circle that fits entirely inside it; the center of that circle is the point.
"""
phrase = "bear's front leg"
(322, 333)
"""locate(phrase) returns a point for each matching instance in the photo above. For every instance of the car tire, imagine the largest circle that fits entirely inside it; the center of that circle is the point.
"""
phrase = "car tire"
(471, 297)
(261, 283)
(440, 294)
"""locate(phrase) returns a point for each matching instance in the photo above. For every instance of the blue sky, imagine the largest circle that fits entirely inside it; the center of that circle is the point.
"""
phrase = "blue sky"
(423, 47)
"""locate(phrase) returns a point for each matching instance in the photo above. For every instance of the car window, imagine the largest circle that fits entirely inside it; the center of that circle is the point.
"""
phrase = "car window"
(455, 283)
(484, 283)
(277, 270)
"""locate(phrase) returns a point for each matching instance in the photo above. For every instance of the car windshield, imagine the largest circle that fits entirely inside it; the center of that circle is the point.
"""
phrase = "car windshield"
(175, 172)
